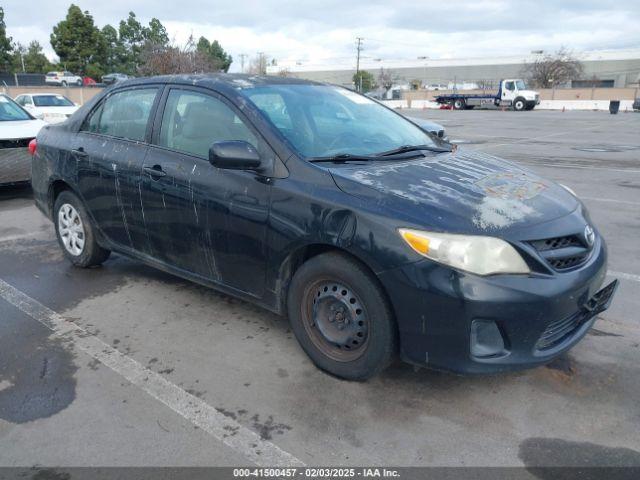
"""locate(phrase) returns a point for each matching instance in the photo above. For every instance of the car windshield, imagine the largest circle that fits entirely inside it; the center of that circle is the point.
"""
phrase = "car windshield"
(11, 111)
(520, 84)
(51, 101)
(322, 121)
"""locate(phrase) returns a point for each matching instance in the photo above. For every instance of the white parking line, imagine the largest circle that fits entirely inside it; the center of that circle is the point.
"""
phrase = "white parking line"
(13, 238)
(198, 412)
(609, 200)
(625, 276)
(580, 167)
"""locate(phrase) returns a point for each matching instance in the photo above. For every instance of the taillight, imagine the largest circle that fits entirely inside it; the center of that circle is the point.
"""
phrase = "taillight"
(33, 145)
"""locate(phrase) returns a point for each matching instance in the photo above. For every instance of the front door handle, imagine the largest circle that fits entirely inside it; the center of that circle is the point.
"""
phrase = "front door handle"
(155, 171)
(79, 152)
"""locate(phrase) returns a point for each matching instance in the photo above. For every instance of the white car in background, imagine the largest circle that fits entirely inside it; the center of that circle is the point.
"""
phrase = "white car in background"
(17, 128)
(50, 107)
(62, 78)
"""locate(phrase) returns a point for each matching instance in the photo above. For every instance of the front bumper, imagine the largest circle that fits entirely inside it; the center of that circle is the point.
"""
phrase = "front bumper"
(436, 306)
(15, 165)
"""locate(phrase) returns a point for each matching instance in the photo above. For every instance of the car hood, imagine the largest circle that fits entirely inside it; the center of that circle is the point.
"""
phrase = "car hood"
(20, 129)
(462, 191)
(64, 110)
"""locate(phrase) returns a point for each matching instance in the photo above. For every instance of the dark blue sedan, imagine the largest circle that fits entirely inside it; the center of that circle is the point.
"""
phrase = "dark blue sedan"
(374, 237)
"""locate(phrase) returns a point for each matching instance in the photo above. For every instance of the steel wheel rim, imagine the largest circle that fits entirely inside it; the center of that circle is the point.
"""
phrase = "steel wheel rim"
(71, 229)
(335, 320)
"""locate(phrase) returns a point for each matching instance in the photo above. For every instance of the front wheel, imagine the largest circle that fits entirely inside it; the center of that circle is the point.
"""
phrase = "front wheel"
(76, 234)
(519, 104)
(341, 317)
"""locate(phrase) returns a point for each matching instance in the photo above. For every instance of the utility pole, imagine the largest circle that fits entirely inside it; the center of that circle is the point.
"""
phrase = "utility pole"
(358, 50)
(262, 63)
(242, 57)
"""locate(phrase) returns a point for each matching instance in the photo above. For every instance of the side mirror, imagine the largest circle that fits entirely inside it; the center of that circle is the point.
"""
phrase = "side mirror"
(234, 155)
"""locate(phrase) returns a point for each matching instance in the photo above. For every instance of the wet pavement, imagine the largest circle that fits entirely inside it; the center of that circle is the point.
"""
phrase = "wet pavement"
(60, 405)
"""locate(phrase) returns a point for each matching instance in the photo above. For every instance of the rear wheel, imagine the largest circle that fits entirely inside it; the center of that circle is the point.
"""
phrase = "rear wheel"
(459, 104)
(79, 82)
(63, 83)
(341, 317)
(75, 232)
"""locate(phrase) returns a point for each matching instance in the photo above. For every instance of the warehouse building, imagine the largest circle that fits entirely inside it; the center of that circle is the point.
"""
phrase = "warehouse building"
(603, 68)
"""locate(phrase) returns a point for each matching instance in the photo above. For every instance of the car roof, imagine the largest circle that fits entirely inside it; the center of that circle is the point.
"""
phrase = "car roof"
(233, 81)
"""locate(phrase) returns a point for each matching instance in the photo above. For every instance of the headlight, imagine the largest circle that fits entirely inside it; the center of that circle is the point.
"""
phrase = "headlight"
(475, 254)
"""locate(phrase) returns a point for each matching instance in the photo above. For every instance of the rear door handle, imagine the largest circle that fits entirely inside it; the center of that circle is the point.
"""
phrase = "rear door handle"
(79, 152)
(155, 171)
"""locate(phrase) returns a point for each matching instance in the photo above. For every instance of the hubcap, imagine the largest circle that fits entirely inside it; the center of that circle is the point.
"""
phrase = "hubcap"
(336, 320)
(71, 229)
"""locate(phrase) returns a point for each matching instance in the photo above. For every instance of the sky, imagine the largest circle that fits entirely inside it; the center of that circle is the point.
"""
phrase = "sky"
(324, 32)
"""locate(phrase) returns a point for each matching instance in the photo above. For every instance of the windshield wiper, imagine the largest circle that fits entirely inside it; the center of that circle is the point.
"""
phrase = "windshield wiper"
(411, 148)
(343, 157)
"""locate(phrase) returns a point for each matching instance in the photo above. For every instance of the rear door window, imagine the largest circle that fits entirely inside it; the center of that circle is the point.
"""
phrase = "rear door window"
(124, 114)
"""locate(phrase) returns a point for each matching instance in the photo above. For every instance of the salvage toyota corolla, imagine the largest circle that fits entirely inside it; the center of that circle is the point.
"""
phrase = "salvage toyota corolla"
(374, 237)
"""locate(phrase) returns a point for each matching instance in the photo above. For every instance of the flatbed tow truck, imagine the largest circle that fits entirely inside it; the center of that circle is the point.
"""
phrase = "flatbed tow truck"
(511, 93)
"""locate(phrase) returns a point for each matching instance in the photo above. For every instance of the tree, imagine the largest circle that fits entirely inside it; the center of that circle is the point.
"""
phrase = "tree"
(115, 54)
(30, 59)
(156, 33)
(220, 59)
(77, 41)
(134, 38)
(363, 81)
(553, 69)
(171, 59)
(6, 45)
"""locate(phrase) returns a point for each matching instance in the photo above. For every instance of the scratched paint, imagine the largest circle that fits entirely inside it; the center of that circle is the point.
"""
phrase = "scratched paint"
(493, 193)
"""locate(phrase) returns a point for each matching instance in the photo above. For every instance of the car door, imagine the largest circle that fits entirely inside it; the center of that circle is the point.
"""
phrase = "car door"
(508, 93)
(109, 151)
(204, 220)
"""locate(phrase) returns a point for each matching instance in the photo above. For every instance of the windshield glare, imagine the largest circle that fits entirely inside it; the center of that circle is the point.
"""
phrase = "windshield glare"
(323, 121)
(51, 101)
(11, 111)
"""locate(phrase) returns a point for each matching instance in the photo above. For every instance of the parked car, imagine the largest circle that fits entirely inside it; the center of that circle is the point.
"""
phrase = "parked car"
(50, 107)
(313, 201)
(17, 129)
(636, 105)
(114, 78)
(429, 126)
(89, 82)
(63, 79)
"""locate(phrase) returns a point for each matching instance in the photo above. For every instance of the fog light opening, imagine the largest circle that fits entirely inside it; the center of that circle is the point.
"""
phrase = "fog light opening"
(486, 339)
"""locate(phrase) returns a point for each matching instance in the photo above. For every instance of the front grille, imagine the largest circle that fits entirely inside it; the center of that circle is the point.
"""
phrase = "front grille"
(19, 143)
(559, 330)
(563, 253)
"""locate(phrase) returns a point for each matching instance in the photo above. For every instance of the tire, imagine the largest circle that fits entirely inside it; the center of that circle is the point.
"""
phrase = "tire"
(75, 232)
(63, 83)
(519, 104)
(341, 317)
(79, 83)
(459, 104)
